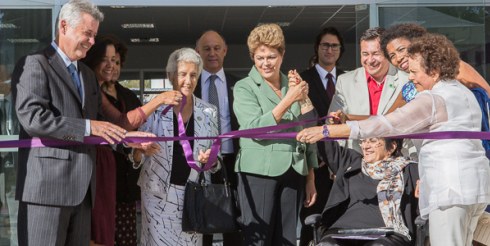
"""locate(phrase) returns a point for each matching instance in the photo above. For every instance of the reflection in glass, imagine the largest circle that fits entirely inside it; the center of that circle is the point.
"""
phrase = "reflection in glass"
(463, 25)
(22, 31)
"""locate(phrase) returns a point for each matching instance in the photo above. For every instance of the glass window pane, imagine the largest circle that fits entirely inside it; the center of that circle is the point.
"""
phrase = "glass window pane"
(156, 81)
(131, 81)
(463, 25)
(22, 31)
(486, 50)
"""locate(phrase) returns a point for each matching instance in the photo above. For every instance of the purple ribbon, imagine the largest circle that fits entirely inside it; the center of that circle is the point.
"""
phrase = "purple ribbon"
(186, 146)
(267, 132)
(47, 142)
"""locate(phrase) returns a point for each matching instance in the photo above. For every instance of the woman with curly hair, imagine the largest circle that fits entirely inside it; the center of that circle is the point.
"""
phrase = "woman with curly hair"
(396, 40)
(454, 173)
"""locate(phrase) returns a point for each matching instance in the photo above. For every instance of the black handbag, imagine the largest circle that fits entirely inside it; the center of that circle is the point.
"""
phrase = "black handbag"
(209, 208)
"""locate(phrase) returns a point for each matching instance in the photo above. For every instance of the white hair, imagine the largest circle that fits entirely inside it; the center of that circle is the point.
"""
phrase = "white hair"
(72, 11)
(183, 55)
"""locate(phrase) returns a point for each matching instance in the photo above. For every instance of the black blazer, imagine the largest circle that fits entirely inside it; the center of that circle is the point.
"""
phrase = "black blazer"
(230, 83)
(344, 163)
(317, 93)
(318, 97)
(127, 189)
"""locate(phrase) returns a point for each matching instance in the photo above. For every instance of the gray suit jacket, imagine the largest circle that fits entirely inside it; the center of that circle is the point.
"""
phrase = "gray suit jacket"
(48, 106)
(352, 95)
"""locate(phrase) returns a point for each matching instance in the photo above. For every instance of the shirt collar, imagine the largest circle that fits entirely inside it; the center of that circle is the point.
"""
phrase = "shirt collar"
(370, 78)
(65, 58)
(323, 73)
(205, 75)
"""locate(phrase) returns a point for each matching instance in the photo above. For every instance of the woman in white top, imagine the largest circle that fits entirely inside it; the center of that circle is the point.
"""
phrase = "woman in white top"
(454, 173)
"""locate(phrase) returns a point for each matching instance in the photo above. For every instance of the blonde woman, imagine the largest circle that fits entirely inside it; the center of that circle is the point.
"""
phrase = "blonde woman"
(271, 173)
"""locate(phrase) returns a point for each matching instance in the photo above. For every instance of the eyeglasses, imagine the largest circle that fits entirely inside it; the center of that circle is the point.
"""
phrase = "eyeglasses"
(326, 46)
(376, 142)
(262, 59)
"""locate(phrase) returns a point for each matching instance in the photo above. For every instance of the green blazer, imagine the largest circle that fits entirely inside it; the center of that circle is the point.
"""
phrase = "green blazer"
(254, 101)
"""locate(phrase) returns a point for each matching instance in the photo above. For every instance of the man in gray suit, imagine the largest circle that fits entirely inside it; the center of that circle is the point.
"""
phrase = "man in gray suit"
(371, 89)
(56, 185)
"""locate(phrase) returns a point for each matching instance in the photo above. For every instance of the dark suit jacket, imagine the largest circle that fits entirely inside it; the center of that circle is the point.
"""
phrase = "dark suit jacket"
(318, 97)
(345, 163)
(317, 92)
(230, 83)
(48, 106)
(127, 189)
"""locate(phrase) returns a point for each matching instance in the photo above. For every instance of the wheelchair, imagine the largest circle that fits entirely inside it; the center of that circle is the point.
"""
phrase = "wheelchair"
(481, 235)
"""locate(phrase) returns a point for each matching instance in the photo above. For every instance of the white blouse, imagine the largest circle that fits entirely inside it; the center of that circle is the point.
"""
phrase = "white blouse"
(452, 171)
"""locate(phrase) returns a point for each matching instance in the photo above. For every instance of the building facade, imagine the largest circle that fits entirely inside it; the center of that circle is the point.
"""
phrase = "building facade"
(27, 26)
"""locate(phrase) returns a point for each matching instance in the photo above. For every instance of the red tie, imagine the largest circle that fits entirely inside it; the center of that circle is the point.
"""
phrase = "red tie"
(330, 86)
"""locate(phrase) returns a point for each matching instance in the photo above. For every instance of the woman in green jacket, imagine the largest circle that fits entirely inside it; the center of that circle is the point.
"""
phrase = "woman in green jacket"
(271, 172)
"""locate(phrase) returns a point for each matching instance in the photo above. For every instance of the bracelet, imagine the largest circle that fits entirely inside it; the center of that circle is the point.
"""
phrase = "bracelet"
(136, 164)
(325, 131)
(305, 103)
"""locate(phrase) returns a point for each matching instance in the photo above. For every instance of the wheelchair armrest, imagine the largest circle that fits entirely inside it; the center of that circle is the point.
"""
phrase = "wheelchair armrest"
(367, 231)
(422, 232)
(420, 222)
(313, 220)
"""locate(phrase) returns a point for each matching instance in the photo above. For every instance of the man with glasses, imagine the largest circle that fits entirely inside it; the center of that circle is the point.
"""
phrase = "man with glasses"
(321, 78)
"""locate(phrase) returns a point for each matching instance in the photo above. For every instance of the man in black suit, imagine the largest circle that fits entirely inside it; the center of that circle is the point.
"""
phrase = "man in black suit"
(212, 48)
(321, 78)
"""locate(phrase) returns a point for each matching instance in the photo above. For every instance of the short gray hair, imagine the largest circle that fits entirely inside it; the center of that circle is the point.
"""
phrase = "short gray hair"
(183, 55)
(72, 12)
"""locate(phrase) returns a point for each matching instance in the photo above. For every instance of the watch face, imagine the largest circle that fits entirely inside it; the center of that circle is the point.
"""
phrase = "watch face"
(409, 91)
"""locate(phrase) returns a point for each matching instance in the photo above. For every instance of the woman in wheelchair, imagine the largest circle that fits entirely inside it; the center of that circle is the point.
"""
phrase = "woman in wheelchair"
(373, 190)
(454, 173)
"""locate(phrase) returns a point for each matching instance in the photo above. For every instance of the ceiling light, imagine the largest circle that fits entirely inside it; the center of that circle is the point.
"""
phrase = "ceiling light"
(23, 40)
(145, 40)
(138, 25)
(7, 26)
(283, 24)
